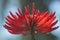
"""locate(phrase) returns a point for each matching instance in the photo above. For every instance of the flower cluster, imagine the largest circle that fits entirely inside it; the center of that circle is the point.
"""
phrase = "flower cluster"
(24, 21)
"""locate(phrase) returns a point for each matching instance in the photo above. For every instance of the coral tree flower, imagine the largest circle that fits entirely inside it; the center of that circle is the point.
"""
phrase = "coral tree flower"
(24, 21)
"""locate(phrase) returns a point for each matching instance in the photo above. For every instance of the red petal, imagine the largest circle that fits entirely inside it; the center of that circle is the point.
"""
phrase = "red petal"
(42, 16)
(50, 21)
(14, 16)
(27, 11)
(54, 23)
(19, 11)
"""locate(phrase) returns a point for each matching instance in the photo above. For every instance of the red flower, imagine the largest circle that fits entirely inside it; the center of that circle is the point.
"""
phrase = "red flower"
(24, 21)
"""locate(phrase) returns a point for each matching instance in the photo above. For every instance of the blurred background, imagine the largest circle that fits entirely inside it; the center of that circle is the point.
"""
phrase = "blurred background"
(42, 5)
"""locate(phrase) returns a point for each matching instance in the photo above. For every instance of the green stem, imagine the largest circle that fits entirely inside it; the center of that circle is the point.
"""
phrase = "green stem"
(32, 34)
(32, 30)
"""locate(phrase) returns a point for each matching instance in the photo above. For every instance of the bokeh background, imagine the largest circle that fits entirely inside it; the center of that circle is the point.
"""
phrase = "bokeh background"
(42, 5)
